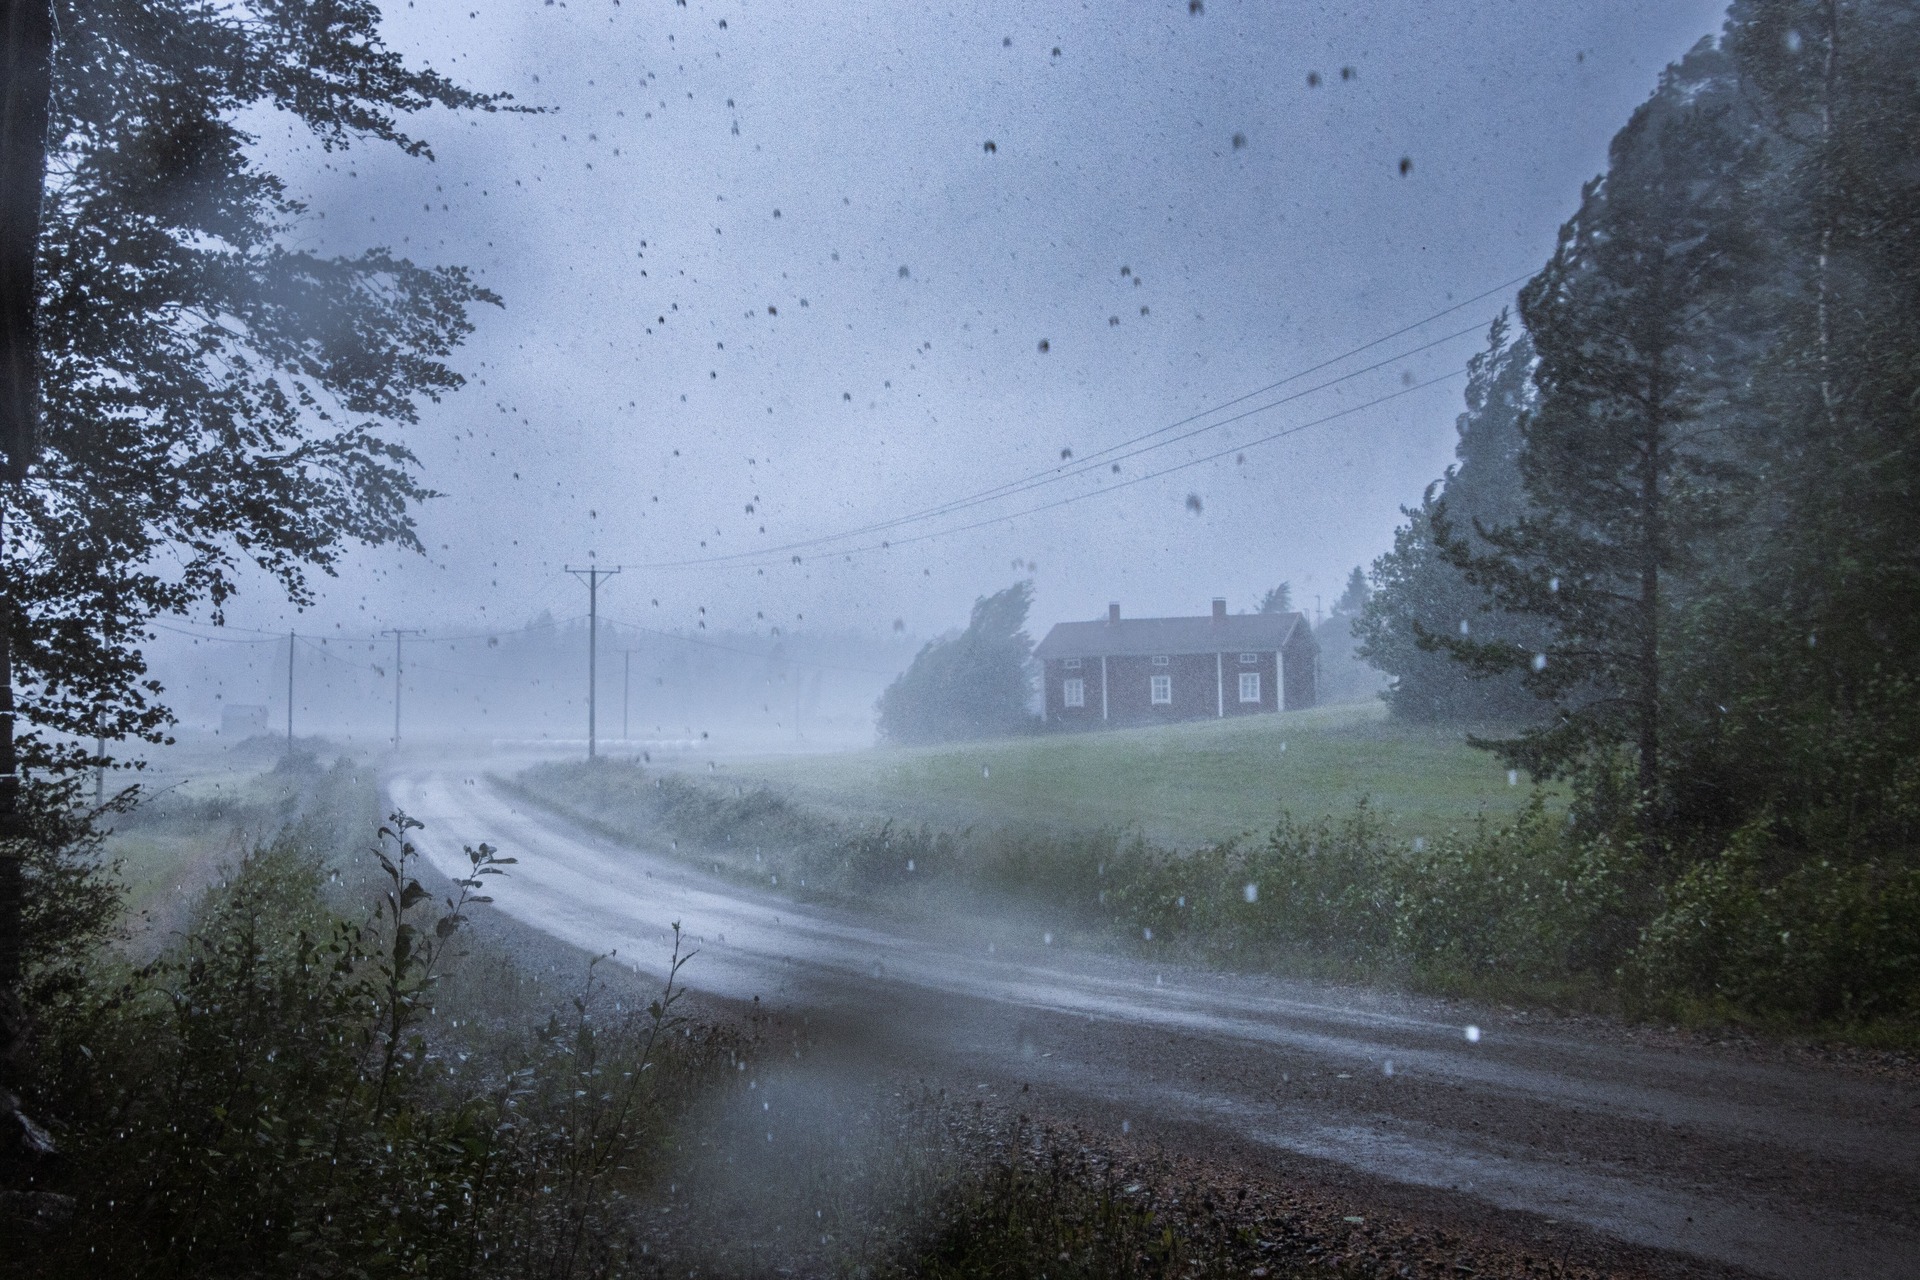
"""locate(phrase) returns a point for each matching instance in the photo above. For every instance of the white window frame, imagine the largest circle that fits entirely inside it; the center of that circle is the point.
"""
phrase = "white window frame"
(1071, 664)
(1249, 686)
(1160, 690)
(1159, 659)
(1249, 659)
(1073, 693)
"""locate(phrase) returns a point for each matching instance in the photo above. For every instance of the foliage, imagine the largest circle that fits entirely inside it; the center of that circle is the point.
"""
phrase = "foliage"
(275, 1096)
(1277, 599)
(1713, 565)
(1624, 470)
(1416, 589)
(973, 685)
(1759, 931)
(215, 394)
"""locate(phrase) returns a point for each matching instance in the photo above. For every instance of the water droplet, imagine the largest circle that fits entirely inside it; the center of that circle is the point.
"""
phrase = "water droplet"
(1539, 662)
(1251, 892)
(1147, 934)
(1473, 1034)
(1046, 939)
(1513, 777)
(1387, 1070)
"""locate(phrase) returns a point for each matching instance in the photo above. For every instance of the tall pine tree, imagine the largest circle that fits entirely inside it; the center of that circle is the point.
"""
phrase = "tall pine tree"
(1624, 458)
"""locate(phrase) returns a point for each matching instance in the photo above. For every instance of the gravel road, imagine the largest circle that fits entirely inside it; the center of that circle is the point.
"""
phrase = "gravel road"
(1717, 1157)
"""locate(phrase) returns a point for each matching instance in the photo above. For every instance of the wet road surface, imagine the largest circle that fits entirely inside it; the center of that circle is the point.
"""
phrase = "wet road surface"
(1778, 1169)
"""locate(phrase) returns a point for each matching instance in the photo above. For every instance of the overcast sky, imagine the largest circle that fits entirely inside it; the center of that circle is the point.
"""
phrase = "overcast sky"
(761, 256)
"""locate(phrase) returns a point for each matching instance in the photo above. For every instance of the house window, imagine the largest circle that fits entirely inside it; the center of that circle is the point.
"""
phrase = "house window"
(1160, 660)
(1248, 659)
(1074, 693)
(1162, 690)
(1071, 664)
(1249, 686)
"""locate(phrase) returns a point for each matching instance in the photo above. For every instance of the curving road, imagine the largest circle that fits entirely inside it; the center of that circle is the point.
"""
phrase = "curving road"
(1776, 1169)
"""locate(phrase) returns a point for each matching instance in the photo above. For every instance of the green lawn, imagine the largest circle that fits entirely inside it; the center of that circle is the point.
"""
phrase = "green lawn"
(1181, 784)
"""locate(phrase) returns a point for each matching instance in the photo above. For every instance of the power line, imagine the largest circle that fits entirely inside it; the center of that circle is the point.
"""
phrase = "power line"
(895, 543)
(748, 653)
(1125, 449)
(1110, 456)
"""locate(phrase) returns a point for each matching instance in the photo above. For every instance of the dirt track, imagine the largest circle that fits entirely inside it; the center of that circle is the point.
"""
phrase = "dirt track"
(1564, 1132)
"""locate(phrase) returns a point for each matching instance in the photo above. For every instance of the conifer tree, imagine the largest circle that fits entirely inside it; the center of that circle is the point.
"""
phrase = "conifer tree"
(1624, 461)
(1415, 588)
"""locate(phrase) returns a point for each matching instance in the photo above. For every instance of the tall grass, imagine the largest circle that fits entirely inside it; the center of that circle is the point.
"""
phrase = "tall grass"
(1542, 905)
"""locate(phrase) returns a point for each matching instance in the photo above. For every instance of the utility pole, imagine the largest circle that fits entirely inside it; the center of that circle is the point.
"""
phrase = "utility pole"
(397, 633)
(591, 575)
(290, 640)
(626, 691)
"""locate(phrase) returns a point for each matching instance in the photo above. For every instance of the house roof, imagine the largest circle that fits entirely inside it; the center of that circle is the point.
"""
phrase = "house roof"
(1137, 637)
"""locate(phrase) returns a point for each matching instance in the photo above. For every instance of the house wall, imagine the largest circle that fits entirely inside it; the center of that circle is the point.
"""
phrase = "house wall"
(1058, 712)
(1198, 680)
(1131, 696)
(1269, 685)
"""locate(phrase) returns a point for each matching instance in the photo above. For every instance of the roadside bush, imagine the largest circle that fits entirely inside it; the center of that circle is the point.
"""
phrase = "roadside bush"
(1529, 901)
(273, 1096)
(1821, 940)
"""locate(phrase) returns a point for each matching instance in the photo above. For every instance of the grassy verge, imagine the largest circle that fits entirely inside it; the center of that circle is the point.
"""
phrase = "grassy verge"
(1182, 784)
(1530, 908)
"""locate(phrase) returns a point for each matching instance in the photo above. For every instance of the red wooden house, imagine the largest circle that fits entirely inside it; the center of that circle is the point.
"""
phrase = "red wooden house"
(1146, 670)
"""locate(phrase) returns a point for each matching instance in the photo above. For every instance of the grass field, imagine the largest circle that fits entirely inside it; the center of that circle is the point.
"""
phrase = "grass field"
(1179, 784)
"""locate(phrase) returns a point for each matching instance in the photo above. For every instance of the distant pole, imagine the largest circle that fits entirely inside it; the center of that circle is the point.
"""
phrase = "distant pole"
(591, 575)
(626, 692)
(290, 640)
(398, 633)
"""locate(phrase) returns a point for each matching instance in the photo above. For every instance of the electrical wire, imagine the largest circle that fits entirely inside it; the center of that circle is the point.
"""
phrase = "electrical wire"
(1106, 456)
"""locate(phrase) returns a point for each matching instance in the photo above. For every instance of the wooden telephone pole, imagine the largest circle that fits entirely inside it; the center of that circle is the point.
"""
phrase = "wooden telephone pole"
(591, 575)
(398, 633)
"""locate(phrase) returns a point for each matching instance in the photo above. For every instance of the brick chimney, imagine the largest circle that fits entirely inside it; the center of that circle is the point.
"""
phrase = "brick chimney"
(1219, 609)
(1113, 612)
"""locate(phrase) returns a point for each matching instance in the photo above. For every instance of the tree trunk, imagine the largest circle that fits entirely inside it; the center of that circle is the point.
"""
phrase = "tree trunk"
(1823, 273)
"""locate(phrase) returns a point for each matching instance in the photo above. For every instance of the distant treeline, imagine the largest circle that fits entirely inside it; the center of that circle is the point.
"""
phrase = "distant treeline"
(531, 680)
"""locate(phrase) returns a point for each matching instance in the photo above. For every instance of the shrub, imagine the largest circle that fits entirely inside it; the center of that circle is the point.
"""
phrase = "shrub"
(272, 1096)
(1757, 932)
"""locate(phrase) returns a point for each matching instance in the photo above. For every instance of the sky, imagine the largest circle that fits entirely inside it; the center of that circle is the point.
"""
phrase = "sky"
(773, 272)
